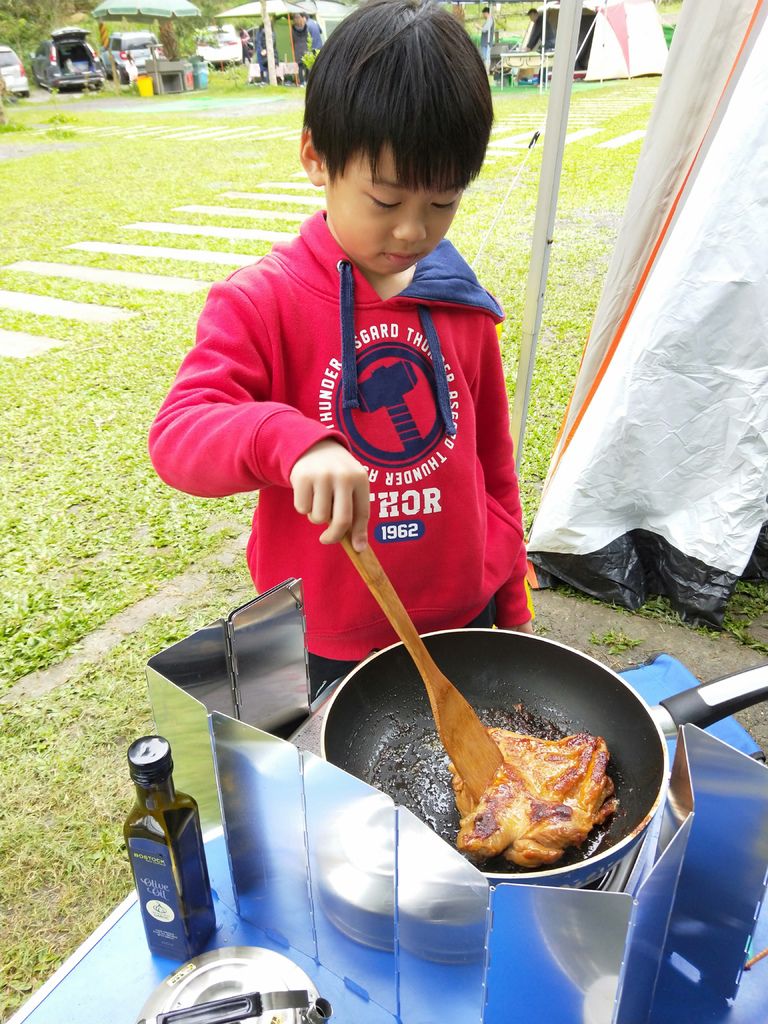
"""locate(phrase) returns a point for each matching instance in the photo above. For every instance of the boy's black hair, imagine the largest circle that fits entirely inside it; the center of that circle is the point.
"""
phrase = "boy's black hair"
(402, 74)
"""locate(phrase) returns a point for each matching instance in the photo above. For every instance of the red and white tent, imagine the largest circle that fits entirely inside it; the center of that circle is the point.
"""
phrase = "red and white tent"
(659, 478)
(617, 38)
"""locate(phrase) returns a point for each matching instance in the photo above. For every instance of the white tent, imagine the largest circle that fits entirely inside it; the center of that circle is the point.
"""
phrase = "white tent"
(659, 478)
(617, 38)
(327, 13)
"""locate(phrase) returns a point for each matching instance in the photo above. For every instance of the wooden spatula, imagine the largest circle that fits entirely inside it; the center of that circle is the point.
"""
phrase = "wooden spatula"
(474, 754)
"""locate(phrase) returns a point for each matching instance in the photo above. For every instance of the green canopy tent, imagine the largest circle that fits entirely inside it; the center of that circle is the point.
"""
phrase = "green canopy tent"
(266, 10)
(163, 11)
(150, 10)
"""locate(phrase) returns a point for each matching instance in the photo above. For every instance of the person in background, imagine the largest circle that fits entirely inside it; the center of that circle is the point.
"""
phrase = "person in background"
(261, 54)
(487, 33)
(130, 68)
(533, 39)
(247, 45)
(353, 376)
(306, 36)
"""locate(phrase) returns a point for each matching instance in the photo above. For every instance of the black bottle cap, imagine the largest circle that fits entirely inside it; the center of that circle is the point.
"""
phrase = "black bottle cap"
(149, 760)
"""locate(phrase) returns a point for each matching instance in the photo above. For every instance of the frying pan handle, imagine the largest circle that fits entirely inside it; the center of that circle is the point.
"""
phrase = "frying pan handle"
(711, 702)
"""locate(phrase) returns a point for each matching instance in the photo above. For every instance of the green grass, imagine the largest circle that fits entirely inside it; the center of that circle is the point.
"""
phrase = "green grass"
(87, 528)
(615, 641)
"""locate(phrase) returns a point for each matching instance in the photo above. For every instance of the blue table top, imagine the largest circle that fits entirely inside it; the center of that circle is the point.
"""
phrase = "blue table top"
(110, 978)
(111, 975)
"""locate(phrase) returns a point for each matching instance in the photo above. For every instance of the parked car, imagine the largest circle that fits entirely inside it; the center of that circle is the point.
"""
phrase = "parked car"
(129, 46)
(12, 70)
(67, 61)
(220, 46)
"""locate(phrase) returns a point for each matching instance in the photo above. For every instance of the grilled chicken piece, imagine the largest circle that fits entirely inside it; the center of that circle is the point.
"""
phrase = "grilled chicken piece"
(548, 795)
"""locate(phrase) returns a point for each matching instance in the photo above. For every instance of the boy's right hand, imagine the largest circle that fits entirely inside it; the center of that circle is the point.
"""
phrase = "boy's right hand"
(331, 486)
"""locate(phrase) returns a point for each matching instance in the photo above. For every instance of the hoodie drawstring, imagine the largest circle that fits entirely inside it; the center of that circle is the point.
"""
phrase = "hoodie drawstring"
(349, 395)
(349, 389)
(441, 378)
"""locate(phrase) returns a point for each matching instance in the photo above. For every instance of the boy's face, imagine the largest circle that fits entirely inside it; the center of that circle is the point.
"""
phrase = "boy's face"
(383, 227)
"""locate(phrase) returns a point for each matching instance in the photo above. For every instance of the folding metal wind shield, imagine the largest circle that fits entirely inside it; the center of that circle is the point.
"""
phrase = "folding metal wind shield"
(659, 479)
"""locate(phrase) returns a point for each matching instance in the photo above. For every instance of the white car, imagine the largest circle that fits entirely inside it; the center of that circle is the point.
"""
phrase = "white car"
(220, 47)
(13, 72)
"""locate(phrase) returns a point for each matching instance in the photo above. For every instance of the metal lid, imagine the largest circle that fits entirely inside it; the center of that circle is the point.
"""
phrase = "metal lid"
(442, 901)
(230, 971)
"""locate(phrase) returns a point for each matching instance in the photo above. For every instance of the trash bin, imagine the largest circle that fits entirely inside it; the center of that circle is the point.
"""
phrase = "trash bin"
(189, 77)
(144, 85)
(200, 71)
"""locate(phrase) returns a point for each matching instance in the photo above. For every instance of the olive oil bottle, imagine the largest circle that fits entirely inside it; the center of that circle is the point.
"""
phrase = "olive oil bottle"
(165, 846)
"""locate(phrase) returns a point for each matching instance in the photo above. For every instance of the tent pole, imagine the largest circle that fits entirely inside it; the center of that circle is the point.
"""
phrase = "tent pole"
(549, 182)
(543, 56)
(268, 42)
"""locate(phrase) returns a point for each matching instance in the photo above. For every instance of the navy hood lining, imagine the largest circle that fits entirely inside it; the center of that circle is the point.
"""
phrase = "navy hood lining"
(349, 384)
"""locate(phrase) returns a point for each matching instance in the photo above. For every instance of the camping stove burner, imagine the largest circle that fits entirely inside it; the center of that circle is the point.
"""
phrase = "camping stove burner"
(617, 877)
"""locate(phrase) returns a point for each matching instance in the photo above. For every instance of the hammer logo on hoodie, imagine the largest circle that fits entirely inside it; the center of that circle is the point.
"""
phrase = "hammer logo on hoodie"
(398, 423)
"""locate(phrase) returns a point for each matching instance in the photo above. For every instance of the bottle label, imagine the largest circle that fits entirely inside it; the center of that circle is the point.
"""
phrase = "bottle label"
(158, 898)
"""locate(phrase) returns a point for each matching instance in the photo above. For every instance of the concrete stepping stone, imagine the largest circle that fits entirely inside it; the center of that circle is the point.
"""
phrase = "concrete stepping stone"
(280, 133)
(196, 132)
(122, 278)
(276, 197)
(519, 141)
(234, 211)
(156, 129)
(289, 184)
(218, 133)
(21, 345)
(585, 133)
(44, 305)
(230, 132)
(622, 140)
(116, 129)
(211, 230)
(166, 252)
(516, 124)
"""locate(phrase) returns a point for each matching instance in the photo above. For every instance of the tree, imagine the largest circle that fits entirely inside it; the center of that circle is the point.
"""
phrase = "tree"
(23, 23)
(168, 39)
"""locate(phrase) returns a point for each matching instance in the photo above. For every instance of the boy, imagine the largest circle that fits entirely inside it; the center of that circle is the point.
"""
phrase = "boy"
(353, 375)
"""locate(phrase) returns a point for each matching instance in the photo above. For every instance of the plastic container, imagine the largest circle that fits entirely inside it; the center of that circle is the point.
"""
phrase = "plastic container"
(200, 71)
(145, 86)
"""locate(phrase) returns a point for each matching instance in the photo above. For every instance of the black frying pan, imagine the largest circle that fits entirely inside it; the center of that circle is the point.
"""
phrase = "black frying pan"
(379, 728)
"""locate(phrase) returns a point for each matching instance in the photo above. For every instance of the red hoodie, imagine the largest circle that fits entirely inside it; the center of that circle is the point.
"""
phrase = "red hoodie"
(299, 348)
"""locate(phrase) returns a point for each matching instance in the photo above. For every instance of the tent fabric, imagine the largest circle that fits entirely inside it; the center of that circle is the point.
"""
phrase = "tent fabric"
(659, 478)
(628, 41)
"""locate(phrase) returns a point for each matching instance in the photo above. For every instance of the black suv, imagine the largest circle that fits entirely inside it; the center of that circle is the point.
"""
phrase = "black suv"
(129, 47)
(67, 61)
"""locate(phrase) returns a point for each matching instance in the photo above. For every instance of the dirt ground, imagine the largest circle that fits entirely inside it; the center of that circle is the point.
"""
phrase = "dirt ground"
(574, 622)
